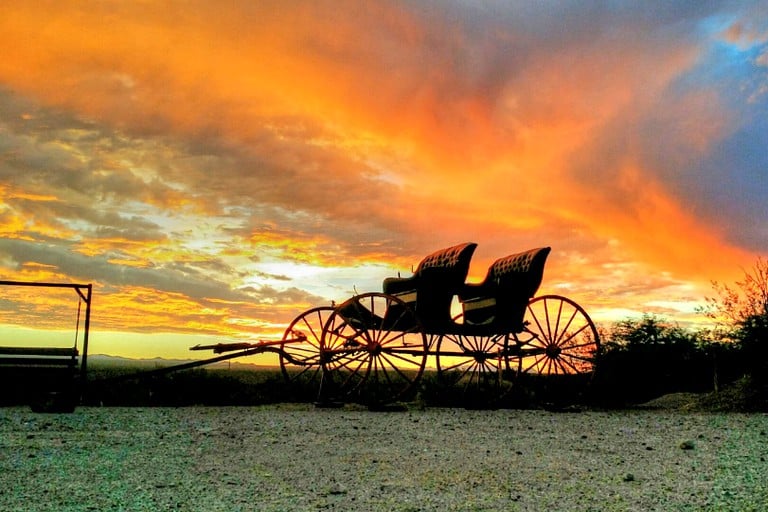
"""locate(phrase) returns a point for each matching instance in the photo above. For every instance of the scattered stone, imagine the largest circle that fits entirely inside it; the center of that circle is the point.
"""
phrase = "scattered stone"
(142, 460)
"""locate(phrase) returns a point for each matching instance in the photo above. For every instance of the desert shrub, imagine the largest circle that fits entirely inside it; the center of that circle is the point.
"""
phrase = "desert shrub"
(742, 314)
(648, 357)
(751, 334)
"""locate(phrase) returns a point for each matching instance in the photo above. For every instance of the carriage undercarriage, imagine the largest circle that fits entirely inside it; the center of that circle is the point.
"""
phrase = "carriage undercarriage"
(374, 349)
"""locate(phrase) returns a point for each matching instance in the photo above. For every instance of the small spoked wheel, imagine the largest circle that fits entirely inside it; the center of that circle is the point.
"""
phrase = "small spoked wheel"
(300, 347)
(475, 368)
(373, 350)
(559, 341)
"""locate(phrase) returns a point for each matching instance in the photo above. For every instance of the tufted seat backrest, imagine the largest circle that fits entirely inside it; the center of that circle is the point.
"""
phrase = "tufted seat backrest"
(437, 279)
(451, 264)
(499, 302)
(521, 272)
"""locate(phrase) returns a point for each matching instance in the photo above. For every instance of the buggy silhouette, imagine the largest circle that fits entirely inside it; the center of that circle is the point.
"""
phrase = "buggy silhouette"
(374, 347)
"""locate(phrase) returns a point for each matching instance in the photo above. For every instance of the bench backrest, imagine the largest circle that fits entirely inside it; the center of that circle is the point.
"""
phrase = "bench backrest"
(447, 266)
(39, 356)
(519, 274)
(436, 280)
(441, 276)
(500, 300)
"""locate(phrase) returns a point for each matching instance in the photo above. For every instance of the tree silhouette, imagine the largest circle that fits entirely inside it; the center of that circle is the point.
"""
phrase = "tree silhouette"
(742, 310)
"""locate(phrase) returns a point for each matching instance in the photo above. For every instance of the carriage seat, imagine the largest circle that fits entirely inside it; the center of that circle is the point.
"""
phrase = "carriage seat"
(437, 279)
(500, 300)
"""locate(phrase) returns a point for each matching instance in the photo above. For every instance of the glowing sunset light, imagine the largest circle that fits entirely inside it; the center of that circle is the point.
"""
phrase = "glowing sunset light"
(216, 170)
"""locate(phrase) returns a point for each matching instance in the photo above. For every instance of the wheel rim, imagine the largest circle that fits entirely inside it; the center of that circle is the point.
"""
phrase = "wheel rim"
(300, 358)
(559, 338)
(374, 349)
(475, 367)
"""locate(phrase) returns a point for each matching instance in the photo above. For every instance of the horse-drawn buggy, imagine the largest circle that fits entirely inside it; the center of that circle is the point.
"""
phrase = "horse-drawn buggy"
(479, 338)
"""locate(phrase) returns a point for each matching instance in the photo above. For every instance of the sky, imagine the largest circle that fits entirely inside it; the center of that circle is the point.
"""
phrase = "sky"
(216, 168)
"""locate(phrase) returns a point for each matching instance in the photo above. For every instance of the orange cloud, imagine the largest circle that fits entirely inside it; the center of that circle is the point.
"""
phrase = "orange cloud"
(181, 140)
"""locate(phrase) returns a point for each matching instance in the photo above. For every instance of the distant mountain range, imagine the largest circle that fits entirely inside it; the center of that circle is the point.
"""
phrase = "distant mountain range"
(107, 361)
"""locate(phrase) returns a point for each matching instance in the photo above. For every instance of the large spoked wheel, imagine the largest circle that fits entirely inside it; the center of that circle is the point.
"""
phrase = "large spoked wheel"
(300, 348)
(474, 368)
(559, 341)
(373, 350)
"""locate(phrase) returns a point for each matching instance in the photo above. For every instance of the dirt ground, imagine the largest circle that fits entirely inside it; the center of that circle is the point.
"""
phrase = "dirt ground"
(298, 457)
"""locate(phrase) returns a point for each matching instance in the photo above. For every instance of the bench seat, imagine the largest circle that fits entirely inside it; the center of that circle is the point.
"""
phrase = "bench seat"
(498, 303)
(45, 377)
(437, 279)
(38, 356)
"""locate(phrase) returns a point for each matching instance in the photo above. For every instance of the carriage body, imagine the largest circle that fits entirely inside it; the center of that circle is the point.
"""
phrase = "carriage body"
(493, 306)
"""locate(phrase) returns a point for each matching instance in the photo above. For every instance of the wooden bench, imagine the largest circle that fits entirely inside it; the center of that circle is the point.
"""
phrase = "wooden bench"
(45, 377)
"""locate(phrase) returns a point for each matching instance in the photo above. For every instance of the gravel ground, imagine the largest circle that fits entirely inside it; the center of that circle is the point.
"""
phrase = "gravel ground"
(297, 457)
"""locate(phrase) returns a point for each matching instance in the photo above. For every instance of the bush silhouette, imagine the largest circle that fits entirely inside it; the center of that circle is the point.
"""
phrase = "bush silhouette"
(742, 313)
(648, 357)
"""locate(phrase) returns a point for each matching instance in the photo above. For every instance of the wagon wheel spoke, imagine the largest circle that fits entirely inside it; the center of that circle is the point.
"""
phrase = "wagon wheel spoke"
(473, 371)
(548, 322)
(466, 375)
(473, 367)
(390, 349)
(306, 371)
(303, 354)
(585, 359)
(482, 379)
(358, 318)
(351, 369)
(398, 372)
(349, 340)
(343, 361)
(385, 375)
(349, 361)
(561, 342)
(401, 325)
(571, 335)
(577, 362)
(559, 366)
(460, 364)
(390, 361)
(585, 344)
(395, 337)
(566, 361)
(562, 329)
(301, 359)
(539, 328)
(300, 348)
(537, 361)
(400, 357)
